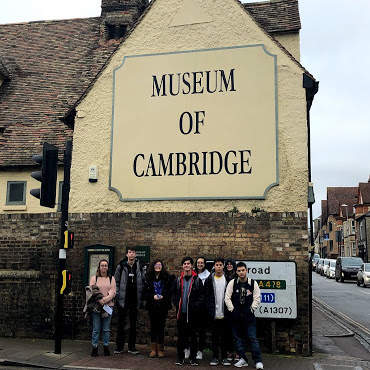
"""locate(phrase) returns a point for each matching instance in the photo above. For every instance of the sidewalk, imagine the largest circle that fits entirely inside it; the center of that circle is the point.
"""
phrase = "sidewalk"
(76, 354)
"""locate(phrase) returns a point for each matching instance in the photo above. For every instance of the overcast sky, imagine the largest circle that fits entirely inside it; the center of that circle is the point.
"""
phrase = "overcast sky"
(334, 48)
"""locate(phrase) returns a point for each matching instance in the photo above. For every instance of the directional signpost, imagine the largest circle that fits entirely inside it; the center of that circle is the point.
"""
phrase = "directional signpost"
(278, 284)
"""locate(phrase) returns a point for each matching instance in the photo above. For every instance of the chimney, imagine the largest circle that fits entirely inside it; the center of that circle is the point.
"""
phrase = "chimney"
(118, 16)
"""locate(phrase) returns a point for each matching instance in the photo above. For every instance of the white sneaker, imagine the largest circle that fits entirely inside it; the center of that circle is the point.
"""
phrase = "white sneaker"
(199, 355)
(259, 365)
(187, 353)
(241, 363)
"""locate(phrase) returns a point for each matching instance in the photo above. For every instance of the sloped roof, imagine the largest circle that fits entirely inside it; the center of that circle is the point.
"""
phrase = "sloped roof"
(3, 71)
(50, 63)
(277, 16)
(364, 191)
(336, 194)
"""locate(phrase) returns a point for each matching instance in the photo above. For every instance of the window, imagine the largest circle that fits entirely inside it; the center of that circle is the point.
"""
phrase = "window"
(361, 230)
(330, 226)
(353, 227)
(331, 245)
(16, 193)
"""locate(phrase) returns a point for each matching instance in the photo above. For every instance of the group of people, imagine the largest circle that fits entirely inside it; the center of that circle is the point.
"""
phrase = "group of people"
(222, 301)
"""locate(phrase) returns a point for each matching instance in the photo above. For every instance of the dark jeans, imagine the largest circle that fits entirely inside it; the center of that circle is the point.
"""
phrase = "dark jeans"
(186, 330)
(202, 330)
(243, 329)
(157, 323)
(219, 328)
(132, 311)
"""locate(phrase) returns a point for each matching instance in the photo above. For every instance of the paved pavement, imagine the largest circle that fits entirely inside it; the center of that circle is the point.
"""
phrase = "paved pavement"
(328, 354)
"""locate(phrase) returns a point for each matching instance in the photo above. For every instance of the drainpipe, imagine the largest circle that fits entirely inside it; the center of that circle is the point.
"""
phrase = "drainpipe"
(312, 87)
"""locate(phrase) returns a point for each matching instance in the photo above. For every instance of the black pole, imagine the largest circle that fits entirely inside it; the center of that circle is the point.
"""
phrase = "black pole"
(62, 251)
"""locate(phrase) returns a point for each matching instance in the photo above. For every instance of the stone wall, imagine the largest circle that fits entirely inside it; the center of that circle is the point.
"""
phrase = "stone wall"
(170, 236)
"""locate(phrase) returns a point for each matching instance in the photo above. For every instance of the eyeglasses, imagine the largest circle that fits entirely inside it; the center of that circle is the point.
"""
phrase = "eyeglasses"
(158, 265)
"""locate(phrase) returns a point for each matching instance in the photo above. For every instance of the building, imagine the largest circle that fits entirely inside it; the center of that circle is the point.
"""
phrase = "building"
(362, 214)
(332, 214)
(192, 117)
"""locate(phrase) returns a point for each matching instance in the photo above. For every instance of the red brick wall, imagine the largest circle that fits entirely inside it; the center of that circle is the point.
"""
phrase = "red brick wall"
(261, 236)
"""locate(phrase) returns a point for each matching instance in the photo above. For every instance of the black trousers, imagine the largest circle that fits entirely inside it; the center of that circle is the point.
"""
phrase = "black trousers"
(186, 330)
(157, 323)
(132, 311)
(219, 328)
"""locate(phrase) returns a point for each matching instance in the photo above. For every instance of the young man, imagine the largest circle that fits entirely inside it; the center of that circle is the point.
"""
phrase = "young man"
(242, 298)
(129, 278)
(188, 297)
(215, 287)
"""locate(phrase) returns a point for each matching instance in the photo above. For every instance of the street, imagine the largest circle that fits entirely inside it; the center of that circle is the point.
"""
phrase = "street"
(347, 298)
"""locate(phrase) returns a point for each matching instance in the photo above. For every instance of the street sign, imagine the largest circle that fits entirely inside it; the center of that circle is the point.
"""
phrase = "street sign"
(278, 284)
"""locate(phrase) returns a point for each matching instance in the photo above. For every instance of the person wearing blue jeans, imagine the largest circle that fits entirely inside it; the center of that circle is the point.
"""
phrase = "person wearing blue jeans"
(100, 324)
(242, 298)
(105, 287)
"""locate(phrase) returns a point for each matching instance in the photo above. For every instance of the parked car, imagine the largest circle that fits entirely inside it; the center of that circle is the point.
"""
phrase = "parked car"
(324, 267)
(347, 268)
(330, 272)
(315, 259)
(319, 265)
(363, 275)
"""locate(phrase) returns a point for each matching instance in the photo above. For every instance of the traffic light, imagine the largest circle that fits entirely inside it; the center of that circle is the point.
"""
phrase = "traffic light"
(47, 176)
(66, 282)
(69, 239)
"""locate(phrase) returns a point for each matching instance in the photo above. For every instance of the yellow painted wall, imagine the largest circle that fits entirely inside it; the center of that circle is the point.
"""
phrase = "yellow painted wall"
(32, 204)
(230, 25)
(291, 42)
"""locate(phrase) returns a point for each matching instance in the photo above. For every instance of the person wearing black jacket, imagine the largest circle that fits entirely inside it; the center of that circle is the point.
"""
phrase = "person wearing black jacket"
(157, 294)
(215, 287)
(188, 298)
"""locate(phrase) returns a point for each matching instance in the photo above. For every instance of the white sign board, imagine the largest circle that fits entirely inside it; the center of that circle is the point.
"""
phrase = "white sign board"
(278, 284)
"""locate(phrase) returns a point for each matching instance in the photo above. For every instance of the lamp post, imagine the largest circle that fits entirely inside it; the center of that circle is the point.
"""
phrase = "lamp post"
(346, 205)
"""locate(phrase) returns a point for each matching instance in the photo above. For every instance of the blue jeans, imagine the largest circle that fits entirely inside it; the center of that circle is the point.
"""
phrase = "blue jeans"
(100, 323)
(243, 329)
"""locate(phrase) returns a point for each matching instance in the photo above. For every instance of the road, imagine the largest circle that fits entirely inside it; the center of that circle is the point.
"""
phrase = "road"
(346, 298)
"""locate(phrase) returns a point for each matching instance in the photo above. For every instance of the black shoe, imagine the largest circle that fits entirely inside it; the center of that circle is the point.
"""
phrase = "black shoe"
(118, 351)
(194, 363)
(94, 352)
(180, 361)
(133, 351)
(106, 351)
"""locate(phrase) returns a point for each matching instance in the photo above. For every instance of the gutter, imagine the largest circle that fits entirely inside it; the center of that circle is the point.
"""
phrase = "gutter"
(312, 87)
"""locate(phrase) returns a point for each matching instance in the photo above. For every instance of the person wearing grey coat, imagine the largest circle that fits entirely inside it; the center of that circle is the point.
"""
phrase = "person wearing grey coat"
(130, 277)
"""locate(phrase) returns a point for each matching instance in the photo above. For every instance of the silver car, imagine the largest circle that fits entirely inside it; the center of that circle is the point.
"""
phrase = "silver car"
(363, 275)
(330, 272)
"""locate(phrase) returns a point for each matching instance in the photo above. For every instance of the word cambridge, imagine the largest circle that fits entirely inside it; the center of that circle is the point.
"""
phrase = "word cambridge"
(213, 162)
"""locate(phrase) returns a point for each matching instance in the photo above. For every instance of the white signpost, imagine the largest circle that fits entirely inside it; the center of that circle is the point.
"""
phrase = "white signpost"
(278, 284)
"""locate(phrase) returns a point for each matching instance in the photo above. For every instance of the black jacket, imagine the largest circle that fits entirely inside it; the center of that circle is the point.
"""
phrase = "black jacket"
(164, 304)
(209, 287)
(195, 298)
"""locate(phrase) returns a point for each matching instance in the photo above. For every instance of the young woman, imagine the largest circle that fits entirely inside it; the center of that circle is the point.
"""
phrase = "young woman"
(101, 319)
(157, 293)
(203, 273)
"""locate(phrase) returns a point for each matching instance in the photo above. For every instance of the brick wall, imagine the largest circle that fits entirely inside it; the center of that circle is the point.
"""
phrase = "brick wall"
(28, 263)
(261, 236)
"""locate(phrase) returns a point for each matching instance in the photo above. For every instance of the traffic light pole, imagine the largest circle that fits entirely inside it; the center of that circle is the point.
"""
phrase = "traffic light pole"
(62, 251)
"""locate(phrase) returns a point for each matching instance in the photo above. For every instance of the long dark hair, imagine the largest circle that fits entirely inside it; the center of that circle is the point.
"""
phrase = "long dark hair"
(151, 272)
